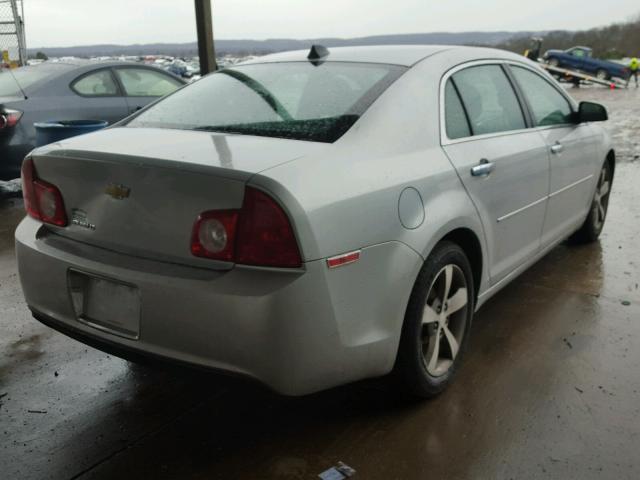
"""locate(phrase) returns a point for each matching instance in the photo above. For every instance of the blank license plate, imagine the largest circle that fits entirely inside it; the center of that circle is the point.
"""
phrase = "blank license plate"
(106, 304)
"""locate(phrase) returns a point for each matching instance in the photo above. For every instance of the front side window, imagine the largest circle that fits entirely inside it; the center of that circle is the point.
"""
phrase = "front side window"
(548, 106)
(142, 82)
(97, 84)
(294, 100)
(489, 99)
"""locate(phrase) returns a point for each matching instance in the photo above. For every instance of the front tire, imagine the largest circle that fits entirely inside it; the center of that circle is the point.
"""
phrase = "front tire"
(437, 322)
(594, 223)
(554, 62)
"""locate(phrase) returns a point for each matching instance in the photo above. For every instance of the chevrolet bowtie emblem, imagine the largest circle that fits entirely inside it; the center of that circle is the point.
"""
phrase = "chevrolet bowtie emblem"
(119, 192)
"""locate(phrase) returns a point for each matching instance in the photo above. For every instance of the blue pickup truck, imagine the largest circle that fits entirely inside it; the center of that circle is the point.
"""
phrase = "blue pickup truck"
(581, 58)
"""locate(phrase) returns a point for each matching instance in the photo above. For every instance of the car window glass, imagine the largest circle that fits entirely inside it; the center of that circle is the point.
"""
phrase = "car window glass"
(455, 118)
(96, 84)
(489, 98)
(140, 82)
(13, 82)
(297, 100)
(548, 105)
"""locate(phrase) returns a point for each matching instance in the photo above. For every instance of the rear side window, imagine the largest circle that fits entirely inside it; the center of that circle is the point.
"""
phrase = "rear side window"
(549, 107)
(489, 99)
(455, 117)
(142, 82)
(97, 84)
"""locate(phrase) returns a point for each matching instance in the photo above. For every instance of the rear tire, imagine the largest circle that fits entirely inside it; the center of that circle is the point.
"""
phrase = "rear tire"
(437, 322)
(602, 74)
(594, 223)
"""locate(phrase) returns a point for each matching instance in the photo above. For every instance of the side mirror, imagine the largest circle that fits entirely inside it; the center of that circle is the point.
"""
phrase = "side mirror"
(591, 112)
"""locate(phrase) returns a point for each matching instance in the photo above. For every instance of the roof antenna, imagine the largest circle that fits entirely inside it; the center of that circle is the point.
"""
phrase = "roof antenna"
(317, 54)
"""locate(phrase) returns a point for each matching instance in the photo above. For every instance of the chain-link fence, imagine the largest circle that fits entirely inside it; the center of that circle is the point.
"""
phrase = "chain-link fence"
(12, 38)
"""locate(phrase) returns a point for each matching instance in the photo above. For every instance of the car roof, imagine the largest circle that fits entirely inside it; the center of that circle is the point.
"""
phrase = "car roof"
(74, 63)
(404, 55)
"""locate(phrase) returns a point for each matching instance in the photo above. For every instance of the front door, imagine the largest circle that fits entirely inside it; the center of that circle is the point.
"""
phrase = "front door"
(504, 166)
(571, 150)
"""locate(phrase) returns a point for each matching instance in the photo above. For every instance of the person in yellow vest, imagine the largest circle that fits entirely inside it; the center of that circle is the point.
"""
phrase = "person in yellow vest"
(634, 66)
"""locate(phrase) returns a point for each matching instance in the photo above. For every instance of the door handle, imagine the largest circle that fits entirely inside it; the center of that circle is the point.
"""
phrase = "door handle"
(557, 148)
(483, 169)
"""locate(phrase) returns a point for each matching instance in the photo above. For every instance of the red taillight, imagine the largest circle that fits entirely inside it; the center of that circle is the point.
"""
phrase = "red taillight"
(265, 236)
(258, 234)
(42, 200)
(28, 193)
(9, 118)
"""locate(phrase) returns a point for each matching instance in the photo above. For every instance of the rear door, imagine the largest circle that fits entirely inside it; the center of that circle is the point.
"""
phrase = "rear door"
(98, 97)
(142, 86)
(503, 164)
(571, 150)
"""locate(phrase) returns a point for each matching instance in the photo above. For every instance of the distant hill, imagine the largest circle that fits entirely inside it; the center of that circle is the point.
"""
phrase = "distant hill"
(247, 47)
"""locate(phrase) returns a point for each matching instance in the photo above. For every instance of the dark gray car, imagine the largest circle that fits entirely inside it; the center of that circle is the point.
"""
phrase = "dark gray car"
(75, 90)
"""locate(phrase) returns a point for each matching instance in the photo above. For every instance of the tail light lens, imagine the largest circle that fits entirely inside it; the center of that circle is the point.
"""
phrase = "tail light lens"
(42, 200)
(214, 235)
(9, 118)
(260, 233)
(265, 236)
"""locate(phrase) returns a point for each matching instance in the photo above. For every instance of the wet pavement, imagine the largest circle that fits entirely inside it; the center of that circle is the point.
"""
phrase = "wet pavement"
(550, 386)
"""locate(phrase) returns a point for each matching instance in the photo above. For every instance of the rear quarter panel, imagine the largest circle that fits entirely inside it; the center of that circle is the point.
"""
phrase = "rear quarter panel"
(348, 197)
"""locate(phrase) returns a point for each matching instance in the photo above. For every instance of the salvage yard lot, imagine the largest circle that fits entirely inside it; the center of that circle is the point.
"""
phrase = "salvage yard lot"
(549, 386)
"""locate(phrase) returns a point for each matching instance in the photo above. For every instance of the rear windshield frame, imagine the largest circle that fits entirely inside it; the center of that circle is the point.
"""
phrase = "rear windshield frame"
(325, 129)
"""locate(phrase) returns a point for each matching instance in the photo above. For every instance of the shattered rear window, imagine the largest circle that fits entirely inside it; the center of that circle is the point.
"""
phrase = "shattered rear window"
(295, 100)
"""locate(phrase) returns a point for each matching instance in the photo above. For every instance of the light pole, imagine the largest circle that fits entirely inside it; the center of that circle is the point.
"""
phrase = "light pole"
(204, 25)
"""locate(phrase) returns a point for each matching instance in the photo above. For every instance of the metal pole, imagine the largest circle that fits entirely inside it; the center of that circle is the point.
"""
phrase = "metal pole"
(22, 48)
(24, 34)
(204, 25)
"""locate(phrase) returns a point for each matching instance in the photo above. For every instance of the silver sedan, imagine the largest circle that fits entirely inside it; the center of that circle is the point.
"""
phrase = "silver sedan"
(309, 219)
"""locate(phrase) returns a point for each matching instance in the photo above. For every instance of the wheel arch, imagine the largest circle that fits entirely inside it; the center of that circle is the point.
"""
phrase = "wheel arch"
(469, 237)
(469, 242)
(611, 160)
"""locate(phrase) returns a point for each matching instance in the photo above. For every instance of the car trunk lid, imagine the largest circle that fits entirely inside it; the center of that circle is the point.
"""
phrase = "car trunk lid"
(140, 191)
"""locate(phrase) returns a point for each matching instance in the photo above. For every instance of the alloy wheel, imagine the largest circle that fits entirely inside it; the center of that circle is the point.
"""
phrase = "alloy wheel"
(601, 199)
(444, 320)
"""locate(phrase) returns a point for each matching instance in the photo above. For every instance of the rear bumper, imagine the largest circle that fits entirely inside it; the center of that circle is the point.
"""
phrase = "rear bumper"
(295, 332)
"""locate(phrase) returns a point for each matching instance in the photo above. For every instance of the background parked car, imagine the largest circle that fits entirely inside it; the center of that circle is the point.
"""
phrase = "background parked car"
(71, 91)
(581, 58)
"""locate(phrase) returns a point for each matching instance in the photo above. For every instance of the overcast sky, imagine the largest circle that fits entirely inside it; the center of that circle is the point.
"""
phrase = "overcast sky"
(53, 23)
